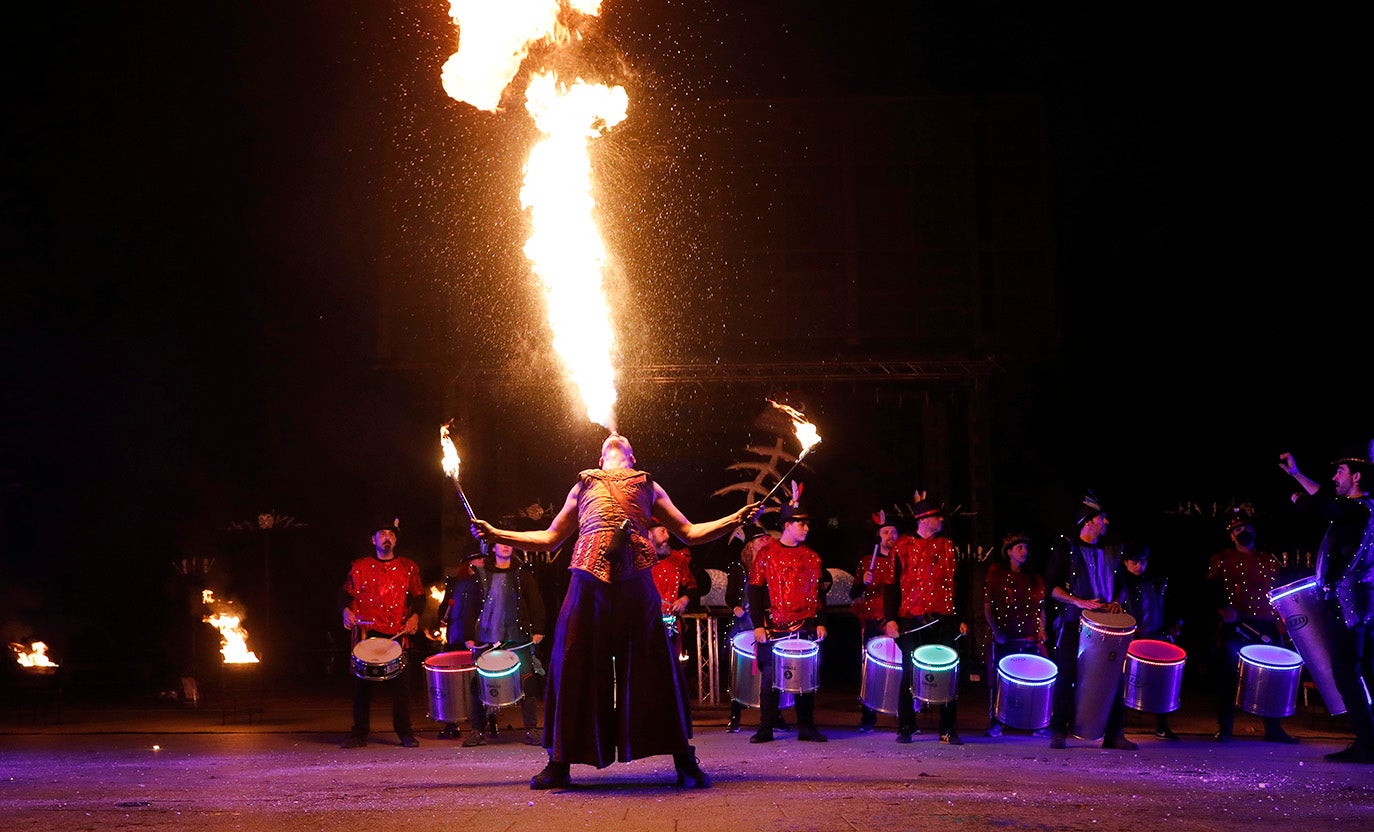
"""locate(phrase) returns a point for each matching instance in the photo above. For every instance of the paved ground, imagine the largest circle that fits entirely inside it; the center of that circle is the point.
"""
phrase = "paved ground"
(93, 766)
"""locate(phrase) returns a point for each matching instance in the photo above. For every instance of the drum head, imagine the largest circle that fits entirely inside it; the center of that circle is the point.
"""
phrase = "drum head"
(1118, 623)
(935, 657)
(1155, 651)
(796, 648)
(377, 650)
(1278, 593)
(884, 650)
(452, 660)
(497, 662)
(1027, 668)
(1269, 655)
(743, 643)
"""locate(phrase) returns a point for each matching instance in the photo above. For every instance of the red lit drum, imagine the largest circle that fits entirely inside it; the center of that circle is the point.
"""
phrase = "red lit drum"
(378, 659)
(448, 684)
(745, 679)
(882, 675)
(1154, 675)
(1102, 641)
(1024, 697)
(498, 677)
(1269, 680)
(798, 665)
(936, 673)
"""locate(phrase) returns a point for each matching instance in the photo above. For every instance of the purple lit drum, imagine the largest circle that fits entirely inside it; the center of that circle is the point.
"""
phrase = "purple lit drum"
(798, 665)
(1154, 675)
(882, 675)
(1024, 697)
(745, 679)
(1269, 680)
(1304, 616)
(448, 678)
(1102, 641)
(936, 676)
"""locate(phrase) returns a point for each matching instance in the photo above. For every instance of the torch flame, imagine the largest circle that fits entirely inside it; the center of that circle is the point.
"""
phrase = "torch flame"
(35, 656)
(565, 247)
(234, 638)
(450, 461)
(437, 592)
(806, 432)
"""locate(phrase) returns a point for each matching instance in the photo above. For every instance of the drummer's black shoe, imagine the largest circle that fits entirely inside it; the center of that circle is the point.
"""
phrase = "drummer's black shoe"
(903, 737)
(808, 733)
(1120, 743)
(951, 738)
(1277, 734)
(450, 732)
(1222, 736)
(475, 739)
(733, 725)
(762, 735)
(994, 729)
(554, 776)
(410, 742)
(865, 728)
(532, 738)
(1059, 739)
(1166, 734)
(688, 768)
(780, 724)
(1353, 753)
(353, 741)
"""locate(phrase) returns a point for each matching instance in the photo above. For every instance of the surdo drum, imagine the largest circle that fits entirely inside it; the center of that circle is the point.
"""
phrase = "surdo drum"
(1304, 616)
(498, 677)
(936, 676)
(1154, 675)
(1024, 697)
(1103, 638)
(745, 678)
(448, 678)
(797, 663)
(1269, 680)
(378, 659)
(882, 675)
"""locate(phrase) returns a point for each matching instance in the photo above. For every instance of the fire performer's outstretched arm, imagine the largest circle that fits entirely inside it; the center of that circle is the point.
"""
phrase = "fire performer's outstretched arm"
(694, 534)
(560, 529)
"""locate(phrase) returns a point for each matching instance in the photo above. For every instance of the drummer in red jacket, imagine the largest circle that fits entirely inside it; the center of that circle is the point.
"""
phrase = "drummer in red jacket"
(786, 588)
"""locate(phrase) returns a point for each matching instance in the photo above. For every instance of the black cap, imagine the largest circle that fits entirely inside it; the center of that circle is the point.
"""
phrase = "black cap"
(1238, 517)
(927, 507)
(794, 511)
(1091, 508)
(391, 524)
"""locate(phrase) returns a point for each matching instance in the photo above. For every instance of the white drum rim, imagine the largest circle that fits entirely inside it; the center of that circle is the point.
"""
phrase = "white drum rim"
(1247, 655)
(1028, 658)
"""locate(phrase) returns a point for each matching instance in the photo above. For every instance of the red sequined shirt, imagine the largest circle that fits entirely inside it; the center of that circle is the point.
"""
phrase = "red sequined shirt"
(379, 589)
(673, 575)
(925, 569)
(1017, 601)
(869, 605)
(1246, 578)
(792, 575)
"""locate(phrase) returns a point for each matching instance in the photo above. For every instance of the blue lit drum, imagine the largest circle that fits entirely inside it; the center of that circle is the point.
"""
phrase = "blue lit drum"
(1024, 697)
(1269, 680)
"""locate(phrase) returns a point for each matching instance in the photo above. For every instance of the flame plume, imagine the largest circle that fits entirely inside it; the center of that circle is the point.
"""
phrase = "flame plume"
(233, 638)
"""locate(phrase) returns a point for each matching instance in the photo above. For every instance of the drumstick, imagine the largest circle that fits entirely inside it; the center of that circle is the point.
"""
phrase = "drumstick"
(920, 628)
(1262, 637)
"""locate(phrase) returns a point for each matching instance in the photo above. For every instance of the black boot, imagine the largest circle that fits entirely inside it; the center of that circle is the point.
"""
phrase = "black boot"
(554, 776)
(688, 768)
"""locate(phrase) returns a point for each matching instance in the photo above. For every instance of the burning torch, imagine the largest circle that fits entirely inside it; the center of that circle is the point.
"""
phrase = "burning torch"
(451, 462)
(806, 435)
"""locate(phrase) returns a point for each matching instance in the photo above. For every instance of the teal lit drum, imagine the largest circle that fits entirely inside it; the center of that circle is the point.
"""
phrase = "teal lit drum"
(882, 675)
(1024, 697)
(798, 665)
(1103, 638)
(746, 681)
(936, 677)
(498, 675)
(1154, 675)
(1269, 680)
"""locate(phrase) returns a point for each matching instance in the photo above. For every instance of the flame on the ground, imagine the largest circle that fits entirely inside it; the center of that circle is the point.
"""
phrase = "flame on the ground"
(450, 460)
(35, 656)
(806, 432)
(233, 637)
(565, 246)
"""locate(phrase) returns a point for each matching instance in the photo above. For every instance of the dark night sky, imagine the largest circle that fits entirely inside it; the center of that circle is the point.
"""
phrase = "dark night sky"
(190, 289)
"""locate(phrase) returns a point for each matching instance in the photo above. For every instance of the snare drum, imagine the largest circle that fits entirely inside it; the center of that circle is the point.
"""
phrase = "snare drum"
(1154, 675)
(797, 662)
(1269, 680)
(882, 675)
(498, 676)
(745, 678)
(936, 673)
(378, 659)
(1103, 638)
(448, 678)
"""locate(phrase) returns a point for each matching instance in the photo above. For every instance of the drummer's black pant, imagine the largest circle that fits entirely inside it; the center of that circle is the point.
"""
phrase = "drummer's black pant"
(803, 703)
(943, 631)
(400, 704)
(1065, 683)
(1352, 656)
